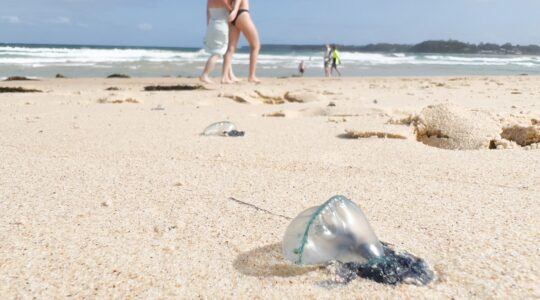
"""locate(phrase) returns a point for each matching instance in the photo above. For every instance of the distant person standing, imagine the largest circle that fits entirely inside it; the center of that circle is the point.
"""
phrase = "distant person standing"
(302, 68)
(327, 60)
(336, 60)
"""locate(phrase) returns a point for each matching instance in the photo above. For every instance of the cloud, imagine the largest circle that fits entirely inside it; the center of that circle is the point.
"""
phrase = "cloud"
(59, 20)
(10, 19)
(145, 26)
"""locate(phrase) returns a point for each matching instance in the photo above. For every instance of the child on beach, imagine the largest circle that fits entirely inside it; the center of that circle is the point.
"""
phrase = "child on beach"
(217, 36)
(241, 21)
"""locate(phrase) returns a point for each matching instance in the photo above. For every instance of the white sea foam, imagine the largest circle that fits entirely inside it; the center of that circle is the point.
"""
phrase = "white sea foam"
(144, 60)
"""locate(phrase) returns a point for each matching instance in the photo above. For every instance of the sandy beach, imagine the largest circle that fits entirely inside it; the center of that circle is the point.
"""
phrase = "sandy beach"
(115, 194)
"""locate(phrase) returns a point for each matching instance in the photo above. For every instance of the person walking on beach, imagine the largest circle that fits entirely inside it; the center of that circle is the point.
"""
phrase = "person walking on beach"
(241, 21)
(217, 36)
(336, 60)
(327, 60)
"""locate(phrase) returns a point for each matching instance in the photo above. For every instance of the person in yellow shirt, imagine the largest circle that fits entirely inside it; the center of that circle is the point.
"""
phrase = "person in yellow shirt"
(336, 60)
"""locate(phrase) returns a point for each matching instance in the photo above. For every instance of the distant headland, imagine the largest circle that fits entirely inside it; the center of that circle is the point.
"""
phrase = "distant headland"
(432, 46)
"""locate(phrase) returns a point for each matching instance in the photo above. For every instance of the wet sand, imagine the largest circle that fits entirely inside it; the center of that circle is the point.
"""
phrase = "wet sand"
(107, 198)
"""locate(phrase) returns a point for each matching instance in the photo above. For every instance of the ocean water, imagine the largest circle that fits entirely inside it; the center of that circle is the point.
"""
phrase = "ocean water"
(44, 61)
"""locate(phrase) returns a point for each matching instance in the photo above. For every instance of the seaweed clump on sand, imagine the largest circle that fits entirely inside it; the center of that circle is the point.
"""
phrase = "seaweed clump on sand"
(18, 78)
(18, 90)
(178, 87)
(118, 76)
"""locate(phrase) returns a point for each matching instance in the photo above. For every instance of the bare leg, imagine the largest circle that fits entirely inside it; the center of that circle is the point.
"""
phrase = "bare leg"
(210, 65)
(339, 73)
(227, 76)
(246, 25)
(233, 77)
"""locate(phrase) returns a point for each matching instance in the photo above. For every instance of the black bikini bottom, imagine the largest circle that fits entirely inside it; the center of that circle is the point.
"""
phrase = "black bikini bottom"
(240, 11)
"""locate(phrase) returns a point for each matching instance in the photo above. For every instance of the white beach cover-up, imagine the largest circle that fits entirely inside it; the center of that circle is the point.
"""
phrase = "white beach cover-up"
(217, 35)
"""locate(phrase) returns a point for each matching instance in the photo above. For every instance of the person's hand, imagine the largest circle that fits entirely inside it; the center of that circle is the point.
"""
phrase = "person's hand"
(233, 15)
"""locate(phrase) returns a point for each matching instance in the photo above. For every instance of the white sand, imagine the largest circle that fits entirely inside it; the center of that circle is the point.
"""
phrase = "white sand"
(122, 200)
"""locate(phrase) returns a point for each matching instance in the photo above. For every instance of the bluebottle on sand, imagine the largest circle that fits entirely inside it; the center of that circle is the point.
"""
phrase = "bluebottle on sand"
(223, 128)
(338, 231)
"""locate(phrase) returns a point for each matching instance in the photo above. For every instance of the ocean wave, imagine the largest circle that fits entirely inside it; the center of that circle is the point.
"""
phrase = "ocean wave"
(41, 57)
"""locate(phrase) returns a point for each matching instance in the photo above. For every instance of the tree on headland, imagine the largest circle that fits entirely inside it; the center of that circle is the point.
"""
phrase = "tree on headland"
(432, 46)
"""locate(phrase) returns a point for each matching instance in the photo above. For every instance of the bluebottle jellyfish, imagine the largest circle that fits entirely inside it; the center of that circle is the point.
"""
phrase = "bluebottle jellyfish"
(223, 128)
(339, 232)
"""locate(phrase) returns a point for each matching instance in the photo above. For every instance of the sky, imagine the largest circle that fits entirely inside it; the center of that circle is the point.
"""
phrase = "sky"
(352, 22)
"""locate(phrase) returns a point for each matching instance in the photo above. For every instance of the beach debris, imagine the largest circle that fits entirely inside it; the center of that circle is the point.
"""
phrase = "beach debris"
(353, 134)
(235, 97)
(277, 114)
(178, 87)
(337, 120)
(157, 108)
(522, 135)
(532, 147)
(257, 208)
(451, 127)
(117, 101)
(503, 145)
(301, 97)
(18, 90)
(331, 104)
(408, 121)
(18, 78)
(270, 97)
(116, 75)
(338, 234)
(60, 76)
(112, 88)
(223, 128)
